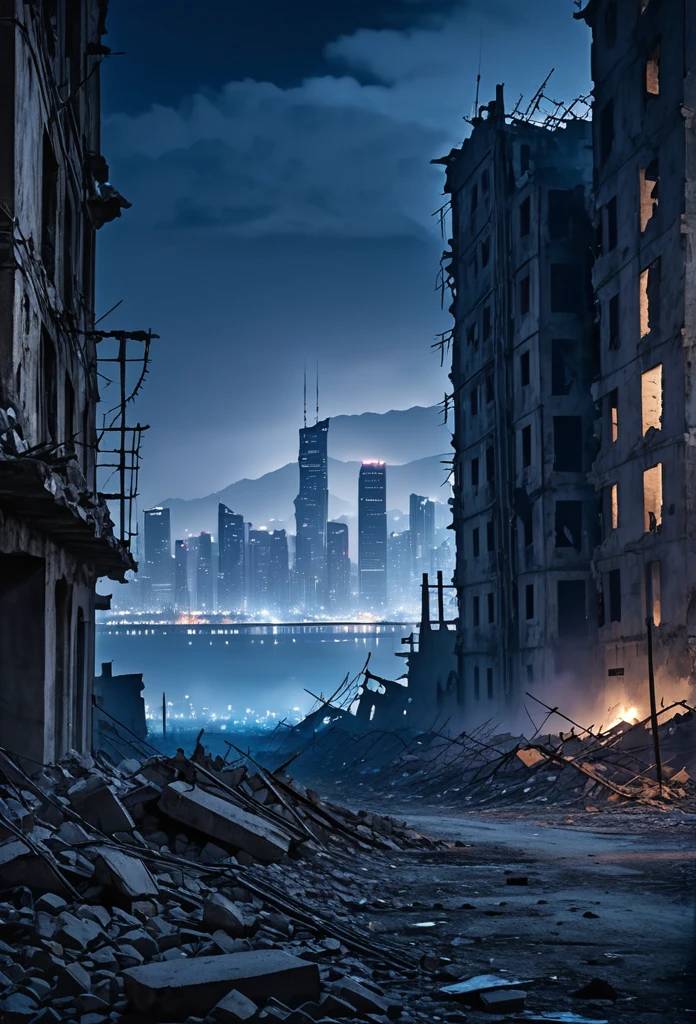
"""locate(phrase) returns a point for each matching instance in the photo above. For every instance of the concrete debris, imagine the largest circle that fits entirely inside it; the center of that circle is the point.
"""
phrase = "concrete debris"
(597, 988)
(472, 987)
(130, 876)
(503, 1000)
(234, 1007)
(172, 991)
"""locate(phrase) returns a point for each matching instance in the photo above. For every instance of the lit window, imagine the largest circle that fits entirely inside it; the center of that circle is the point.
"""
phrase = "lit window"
(614, 506)
(652, 72)
(652, 498)
(651, 398)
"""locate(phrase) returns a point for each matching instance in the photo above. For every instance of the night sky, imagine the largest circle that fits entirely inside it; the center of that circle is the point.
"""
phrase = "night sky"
(277, 158)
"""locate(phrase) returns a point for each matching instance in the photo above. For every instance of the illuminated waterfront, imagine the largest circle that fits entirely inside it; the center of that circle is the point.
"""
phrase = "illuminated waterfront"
(244, 673)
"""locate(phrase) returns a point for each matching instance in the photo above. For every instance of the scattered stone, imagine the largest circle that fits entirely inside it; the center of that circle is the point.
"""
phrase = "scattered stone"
(233, 1008)
(221, 913)
(503, 1000)
(130, 876)
(471, 987)
(597, 988)
(591, 914)
(96, 803)
(517, 880)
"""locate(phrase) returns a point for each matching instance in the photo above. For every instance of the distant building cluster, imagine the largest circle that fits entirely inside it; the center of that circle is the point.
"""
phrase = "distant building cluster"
(246, 572)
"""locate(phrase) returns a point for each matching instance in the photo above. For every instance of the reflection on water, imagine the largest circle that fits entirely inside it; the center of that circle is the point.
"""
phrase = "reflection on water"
(244, 674)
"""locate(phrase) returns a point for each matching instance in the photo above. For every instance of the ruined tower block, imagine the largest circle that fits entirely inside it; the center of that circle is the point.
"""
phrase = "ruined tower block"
(644, 71)
(523, 362)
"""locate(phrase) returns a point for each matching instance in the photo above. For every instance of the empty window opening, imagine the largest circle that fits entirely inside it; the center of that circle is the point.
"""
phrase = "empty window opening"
(614, 582)
(68, 248)
(490, 536)
(650, 298)
(652, 72)
(524, 369)
(486, 322)
(652, 498)
(474, 200)
(476, 542)
(566, 288)
(490, 388)
(651, 399)
(490, 465)
(606, 131)
(477, 683)
(472, 334)
(529, 601)
(476, 612)
(49, 206)
(485, 182)
(567, 444)
(572, 615)
(485, 252)
(561, 208)
(473, 268)
(525, 295)
(68, 409)
(614, 498)
(489, 683)
(649, 192)
(528, 526)
(563, 365)
(48, 388)
(614, 323)
(613, 403)
(474, 472)
(491, 607)
(610, 24)
(611, 225)
(525, 154)
(474, 401)
(526, 441)
(653, 595)
(569, 524)
(525, 216)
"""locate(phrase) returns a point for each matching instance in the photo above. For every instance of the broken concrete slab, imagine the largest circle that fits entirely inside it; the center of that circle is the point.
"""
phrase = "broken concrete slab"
(96, 803)
(221, 913)
(554, 1017)
(597, 988)
(363, 999)
(508, 1000)
(224, 821)
(19, 865)
(171, 990)
(234, 1008)
(128, 874)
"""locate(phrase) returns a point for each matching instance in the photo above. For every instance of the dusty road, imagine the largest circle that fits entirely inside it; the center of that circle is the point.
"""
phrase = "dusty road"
(607, 897)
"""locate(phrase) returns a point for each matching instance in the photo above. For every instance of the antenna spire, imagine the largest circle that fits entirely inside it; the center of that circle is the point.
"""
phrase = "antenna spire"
(478, 77)
(317, 390)
(305, 393)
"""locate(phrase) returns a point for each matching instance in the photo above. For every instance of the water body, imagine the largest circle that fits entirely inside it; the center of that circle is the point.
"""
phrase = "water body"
(240, 674)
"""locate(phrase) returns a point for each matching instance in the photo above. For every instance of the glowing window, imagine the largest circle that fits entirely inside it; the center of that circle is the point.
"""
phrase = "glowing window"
(652, 72)
(652, 498)
(651, 399)
(649, 178)
(614, 506)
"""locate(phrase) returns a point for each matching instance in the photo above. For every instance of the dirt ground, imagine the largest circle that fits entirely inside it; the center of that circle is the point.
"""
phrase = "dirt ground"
(609, 896)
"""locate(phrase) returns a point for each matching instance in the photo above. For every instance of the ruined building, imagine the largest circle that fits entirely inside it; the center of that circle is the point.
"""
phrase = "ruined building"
(56, 536)
(644, 72)
(523, 361)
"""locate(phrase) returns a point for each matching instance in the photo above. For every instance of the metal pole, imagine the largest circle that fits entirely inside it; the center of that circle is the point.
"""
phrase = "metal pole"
(122, 352)
(653, 704)
(440, 599)
(164, 715)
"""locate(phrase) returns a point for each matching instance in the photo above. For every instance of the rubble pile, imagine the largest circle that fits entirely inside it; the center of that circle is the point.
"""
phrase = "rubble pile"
(163, 890)
(578, 767)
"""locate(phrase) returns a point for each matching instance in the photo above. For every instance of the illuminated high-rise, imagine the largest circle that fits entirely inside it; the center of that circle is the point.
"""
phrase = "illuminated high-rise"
(372, 535)
(231, 536)
(311, 516)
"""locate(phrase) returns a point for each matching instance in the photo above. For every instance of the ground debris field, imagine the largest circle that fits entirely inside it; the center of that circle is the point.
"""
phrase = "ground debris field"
(185, 889)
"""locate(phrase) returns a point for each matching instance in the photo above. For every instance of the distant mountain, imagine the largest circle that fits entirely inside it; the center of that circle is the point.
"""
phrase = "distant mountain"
(397, 437)
(268, 500)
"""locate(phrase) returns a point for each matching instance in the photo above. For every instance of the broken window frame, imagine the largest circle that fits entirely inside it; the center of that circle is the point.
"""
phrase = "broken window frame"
(652, 398)
(652, 71)
(564, 445)
(653, 498)
(529, 602)
(525, 293)
(649, 192)
(568, 516)
(614, 592)
(526, 446)
(525, 214)
(525, 369)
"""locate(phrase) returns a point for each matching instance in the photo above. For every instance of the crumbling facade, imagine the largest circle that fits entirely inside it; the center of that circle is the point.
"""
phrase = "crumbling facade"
(523, 361)
(644, 71)
(56, 536)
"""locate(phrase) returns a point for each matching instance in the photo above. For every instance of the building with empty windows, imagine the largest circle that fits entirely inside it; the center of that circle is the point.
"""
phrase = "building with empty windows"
(372, 536)
(523, 362)
(56, 535)
(644, 72)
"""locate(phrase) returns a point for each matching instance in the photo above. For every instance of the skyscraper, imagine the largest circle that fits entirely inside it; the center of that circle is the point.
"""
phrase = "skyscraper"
(311, 516)
(204, 589)
(402, 591)
(337, 566)
(422, 531)
(278, 572)
(158, 557)
(181, 590)
(372, 531)
(230, 559)
(259, 570)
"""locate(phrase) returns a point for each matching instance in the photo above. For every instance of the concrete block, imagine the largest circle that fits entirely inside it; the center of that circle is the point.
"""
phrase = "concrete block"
(130, 876)
(219, 912)
(223, 821)
(20, 866)
(234, 1008)
(95, 802)
(363, 999)
(509, 1000)
(171, 990)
